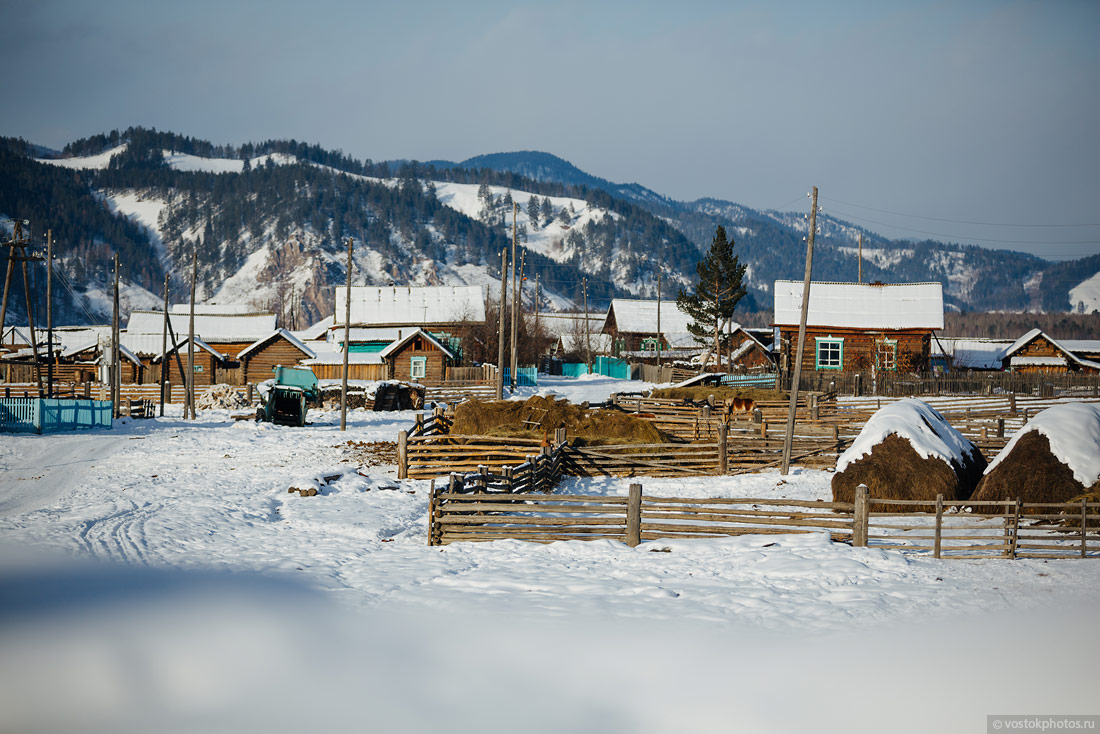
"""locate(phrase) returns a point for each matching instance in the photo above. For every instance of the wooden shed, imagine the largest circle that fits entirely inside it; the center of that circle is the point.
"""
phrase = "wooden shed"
(1037, 352)
(418, 357)
(259, 359)
(859, 326)
(210, 366)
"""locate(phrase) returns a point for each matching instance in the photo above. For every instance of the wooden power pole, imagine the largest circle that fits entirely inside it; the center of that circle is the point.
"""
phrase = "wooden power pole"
(500, 322)
(164, 346)
(860, 258)
(587, 335)
(116, 370)
(797, 374)
(515, 306)
(347, 347)
(49, 313)
(191, 337)
(658, 323)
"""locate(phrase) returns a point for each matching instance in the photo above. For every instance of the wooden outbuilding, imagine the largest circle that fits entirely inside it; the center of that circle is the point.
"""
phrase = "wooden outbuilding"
(210, 365)
(417, 357)
(259, 360)
(859, 326)
(1038, 352)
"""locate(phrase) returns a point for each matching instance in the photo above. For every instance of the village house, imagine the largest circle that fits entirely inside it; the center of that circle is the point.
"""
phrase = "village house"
(1037, 352)
(417, 357)
(859, 326)
(632, 326)
(382, 314)
(753, 350)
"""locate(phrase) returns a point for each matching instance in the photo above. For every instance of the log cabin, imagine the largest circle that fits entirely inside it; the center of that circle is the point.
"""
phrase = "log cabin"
(259, 360)
(418, 357)
(633, 327)
(1037, 352)
(859, 326)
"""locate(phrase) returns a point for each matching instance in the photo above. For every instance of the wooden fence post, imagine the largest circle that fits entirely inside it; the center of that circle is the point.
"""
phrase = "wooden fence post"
(509, 478)
(939, 526)
(723, 455)
(763, 429)
(1015, 528)
(1084, 526)
(433, 514)
(860, 516)
(814, 411)
(985, 433)
(402, 455)
(483, 477)
(836, 436)
(634, 515)
(1000, 428)
(419, 424)
(559, 436)
(757, 416)
(696, 433)
(1012, 403)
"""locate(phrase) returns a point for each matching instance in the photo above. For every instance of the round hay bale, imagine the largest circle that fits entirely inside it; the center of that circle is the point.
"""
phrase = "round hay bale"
(1054, 458)
(908, 451)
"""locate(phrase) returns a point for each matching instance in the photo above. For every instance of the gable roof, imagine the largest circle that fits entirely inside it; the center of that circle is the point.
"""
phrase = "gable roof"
(210, 327)
(861, 305)
(180, 345)
(637, 316)
(317, 331)
(295, 342)
(399, 343)
(411, 305)
(1030, 336)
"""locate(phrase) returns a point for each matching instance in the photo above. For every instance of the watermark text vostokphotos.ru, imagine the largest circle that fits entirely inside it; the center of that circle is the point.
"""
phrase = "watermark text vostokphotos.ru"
(1040, 722)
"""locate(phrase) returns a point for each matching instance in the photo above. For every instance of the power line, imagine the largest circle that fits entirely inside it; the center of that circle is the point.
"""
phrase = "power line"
(957, 221)
(962, 238)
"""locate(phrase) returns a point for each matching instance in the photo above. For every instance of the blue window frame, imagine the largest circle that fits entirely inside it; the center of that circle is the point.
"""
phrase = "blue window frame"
(829, 354)
(418, 367)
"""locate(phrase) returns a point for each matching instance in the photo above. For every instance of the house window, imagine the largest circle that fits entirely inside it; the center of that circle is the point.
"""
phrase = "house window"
(886, 354)
(649, 345)
(830, 353)
(418, 367)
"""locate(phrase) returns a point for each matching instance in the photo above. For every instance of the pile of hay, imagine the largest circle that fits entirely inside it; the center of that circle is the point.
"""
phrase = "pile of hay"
(1054, 458)
(908, 451)
(221, 397)
(512, 418)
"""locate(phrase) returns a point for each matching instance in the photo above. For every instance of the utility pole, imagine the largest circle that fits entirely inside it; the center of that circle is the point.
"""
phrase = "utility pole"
(191, 336)
(49, 313)
(164, 346)
(347, 347)
(717, 327)
(587, 335)
(500, 322)
(797, 376)
(515, 306)
(537, 305)
(860, 258)
(116, 371)
(658, 321)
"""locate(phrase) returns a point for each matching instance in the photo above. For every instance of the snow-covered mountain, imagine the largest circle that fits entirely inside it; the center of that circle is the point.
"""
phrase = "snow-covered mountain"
(270, 223)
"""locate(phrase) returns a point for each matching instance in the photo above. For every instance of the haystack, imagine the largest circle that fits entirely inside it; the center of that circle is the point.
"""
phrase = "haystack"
(540, 416)
(1055, 457)
(908, 451)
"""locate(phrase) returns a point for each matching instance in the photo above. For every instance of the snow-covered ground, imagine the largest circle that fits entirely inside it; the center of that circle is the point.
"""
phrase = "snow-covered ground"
(202, 588)
(1085, 296)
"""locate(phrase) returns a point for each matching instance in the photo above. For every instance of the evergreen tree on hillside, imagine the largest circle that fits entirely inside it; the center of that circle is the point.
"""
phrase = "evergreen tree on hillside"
(547, 211)
(716, 295)
(533, 211)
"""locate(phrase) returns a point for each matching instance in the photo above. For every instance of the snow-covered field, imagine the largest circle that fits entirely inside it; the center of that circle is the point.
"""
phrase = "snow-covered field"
(159, 576)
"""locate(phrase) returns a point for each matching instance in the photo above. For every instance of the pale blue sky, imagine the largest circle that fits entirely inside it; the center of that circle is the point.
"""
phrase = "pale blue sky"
(974, 111)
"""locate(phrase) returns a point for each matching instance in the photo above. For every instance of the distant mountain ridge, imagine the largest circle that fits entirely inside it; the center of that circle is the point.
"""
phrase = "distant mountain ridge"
(270, 221)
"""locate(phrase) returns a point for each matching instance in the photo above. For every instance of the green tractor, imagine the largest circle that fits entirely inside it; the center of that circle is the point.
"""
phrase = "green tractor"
(293, 390)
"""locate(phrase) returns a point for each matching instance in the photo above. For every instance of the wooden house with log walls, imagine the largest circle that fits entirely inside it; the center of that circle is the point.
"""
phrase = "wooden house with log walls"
(859, 326)
(753, 352)
(259, 360)
(1037, 352)
(633, 324)
(211, 367)
(417, 357)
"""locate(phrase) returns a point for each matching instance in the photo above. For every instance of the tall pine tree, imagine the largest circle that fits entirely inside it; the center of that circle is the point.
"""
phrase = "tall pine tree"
(719, 289)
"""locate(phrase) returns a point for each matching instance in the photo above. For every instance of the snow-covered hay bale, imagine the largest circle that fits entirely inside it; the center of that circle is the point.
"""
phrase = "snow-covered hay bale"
(908, 451)
(1055, 457)
(221, 397)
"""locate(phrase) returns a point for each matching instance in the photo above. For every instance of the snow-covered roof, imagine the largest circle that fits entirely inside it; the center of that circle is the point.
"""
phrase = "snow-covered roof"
(278, 332)
(982, 354)
(1082, 346)
(1073, 431)
(601, 343)
(317, 331)
(335, 356)
(411, 305)
(211, 327)
(559, 323)
(215, 309)
(862, 305)
(182, 345)
(927, 431)
(357, 334)
(15, 335)
(396, 345)
(636, 316)
(1024, 340)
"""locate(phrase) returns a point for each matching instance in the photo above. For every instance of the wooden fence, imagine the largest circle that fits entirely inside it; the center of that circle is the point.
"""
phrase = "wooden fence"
(1065, 530)
(959, 383)
(458, 390)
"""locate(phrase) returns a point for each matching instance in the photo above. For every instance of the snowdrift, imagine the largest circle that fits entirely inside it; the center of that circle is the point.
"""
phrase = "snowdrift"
(908, 451)
(1054, 458)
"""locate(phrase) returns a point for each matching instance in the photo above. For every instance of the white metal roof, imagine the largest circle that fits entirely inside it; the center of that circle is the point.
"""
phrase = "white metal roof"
(983, 354)
(1088, 346)
(283, 333)
(337, 357)
(560, 323)
(317, 331)
(861, 305)
(209, 327)
(213, 309)
(411, 305)
(640, 316)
